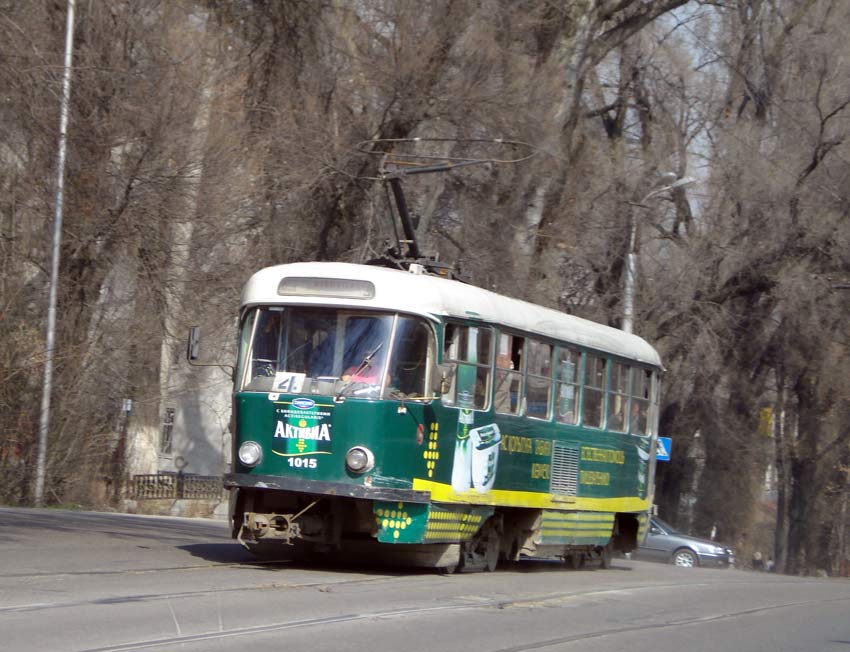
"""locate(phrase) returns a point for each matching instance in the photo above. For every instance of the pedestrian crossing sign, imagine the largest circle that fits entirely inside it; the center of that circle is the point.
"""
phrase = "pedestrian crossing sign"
(663, 448)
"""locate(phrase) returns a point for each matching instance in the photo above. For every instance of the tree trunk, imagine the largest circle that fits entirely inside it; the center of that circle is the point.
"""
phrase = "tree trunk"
(781, 460)
(803, 522)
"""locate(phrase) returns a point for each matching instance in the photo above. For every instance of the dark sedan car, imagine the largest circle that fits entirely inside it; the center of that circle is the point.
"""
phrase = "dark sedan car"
(663, 543)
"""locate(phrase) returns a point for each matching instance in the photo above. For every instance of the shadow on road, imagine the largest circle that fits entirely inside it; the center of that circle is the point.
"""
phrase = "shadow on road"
(220, 553)
(233, 553)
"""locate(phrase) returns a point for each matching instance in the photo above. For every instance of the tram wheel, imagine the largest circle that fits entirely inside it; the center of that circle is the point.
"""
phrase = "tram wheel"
(606, 555)
(575, 560)
(488, 543)
(482, 551)
(491, 551)
(447, 570)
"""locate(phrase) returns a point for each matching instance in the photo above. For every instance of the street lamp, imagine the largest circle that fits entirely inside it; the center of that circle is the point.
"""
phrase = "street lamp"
(631, 258)
(44, 415)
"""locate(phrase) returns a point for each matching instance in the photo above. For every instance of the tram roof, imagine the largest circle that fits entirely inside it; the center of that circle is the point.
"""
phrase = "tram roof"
(434, 297)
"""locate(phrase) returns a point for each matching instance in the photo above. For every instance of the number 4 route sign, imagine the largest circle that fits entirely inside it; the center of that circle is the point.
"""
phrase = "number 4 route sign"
(663, 448)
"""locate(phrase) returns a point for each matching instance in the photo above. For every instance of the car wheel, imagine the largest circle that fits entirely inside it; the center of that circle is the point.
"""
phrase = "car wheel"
(685, 558)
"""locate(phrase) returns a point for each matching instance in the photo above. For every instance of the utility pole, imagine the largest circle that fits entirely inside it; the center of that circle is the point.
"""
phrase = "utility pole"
(631, 258)
(44, 419)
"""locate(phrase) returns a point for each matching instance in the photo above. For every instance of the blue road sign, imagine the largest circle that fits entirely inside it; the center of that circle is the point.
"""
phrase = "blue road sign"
(663, 448)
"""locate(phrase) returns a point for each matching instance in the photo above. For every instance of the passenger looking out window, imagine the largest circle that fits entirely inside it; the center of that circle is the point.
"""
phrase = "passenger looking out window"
(618, 397)
(641, 392)
(568, 386)
(508, 391)
(538, 391)
(470, 348)
(594, 391)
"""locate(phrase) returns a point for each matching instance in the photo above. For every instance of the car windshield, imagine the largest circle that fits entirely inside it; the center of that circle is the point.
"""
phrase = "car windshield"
(332, 351)
(665, 526)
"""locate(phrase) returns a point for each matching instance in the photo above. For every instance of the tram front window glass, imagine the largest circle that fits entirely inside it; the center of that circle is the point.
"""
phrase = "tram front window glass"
(265, 348)
(410, 358)
(618, 397)
(508, 391)
(318, 351)
(469, 348)
(310, 340)
(594, 391)
(538, 391)
(568, 384)
(244, 344)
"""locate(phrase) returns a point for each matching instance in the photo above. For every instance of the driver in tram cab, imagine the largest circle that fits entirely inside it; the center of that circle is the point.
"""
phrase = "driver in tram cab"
(370, 374)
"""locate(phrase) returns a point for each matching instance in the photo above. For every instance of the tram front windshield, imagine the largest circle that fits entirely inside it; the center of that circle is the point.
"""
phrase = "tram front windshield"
(326, 351)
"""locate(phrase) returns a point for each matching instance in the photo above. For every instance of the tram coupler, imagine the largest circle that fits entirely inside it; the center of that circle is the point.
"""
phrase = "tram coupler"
(277, 526)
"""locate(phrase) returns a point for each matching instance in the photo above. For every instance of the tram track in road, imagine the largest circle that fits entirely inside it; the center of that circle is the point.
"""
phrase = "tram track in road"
(88, 595)
(107, 572)
(273, 627)
(453, 606)
(683, 622)
(323, 584)
(460, 602)
(138, 571)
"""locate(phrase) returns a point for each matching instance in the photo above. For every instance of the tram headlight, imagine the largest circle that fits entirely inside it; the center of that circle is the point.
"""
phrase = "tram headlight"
(359, 459)
(250, 453)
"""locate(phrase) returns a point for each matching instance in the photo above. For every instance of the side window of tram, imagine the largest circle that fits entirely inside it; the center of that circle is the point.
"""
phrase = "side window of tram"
(594, 391)
(469, 347)
(568, 386)
(641, 393)
(508, 390)
(618, 397)
(410, 357)
(538, 389)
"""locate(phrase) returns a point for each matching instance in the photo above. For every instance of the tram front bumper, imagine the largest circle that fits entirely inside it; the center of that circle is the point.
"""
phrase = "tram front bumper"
(323, 488)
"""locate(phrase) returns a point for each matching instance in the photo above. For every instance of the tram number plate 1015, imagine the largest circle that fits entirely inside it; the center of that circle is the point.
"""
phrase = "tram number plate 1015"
(303, 462)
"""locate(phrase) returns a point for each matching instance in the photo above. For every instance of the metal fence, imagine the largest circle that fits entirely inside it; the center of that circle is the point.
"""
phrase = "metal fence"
(177, 485)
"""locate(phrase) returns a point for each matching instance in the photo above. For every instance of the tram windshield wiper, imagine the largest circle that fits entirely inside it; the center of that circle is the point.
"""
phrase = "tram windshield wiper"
(366, 362)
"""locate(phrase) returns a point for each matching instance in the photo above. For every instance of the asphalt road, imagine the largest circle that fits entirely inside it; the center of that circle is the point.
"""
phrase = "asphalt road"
(108, 582)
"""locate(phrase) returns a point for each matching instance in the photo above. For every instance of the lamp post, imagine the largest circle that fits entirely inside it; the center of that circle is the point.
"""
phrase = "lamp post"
(47, 387)
(631, 258)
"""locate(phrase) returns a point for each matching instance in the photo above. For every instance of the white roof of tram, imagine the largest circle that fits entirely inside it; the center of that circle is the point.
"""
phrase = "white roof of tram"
(434, 297)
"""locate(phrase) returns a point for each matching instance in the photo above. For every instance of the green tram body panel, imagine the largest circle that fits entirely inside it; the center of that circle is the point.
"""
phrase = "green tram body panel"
(440, 471)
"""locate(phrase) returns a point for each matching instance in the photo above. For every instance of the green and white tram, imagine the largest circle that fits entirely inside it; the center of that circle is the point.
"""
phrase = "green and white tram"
(400, 412)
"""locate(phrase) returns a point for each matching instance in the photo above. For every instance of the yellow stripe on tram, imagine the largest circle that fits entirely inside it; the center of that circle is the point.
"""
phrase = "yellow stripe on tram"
(506, 498)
